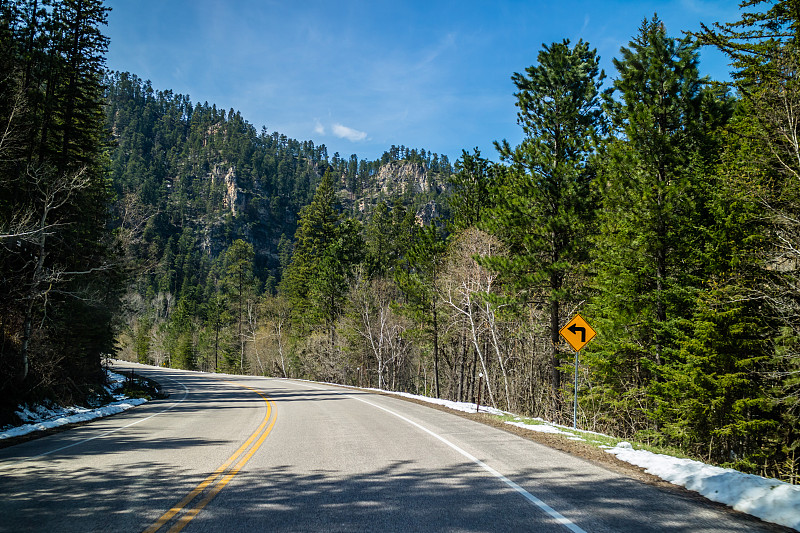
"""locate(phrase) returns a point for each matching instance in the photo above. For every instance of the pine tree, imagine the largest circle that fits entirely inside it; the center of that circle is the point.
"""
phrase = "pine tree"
(316, 232)
(469, 195)
(379, 241)
(764, 49)
(543, 202)
(419, 283)
(239, 283)
(81, 118)
(716, 389)
(404, 229)
(53, 174)
(648, 254)
(331, 274)
(327, 247)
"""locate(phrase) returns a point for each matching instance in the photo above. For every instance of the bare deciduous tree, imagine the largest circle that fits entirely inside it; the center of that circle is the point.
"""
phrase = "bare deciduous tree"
(381, 328)
(52, 193)
(466, 290)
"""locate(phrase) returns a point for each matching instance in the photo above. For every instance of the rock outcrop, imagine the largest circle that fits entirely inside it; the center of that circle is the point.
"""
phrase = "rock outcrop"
(231, 199)
(399, 177)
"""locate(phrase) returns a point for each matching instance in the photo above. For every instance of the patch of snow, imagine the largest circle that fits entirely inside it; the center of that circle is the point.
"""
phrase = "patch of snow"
(541, 428)
(46, 416)
(465, 407)
(769, 499)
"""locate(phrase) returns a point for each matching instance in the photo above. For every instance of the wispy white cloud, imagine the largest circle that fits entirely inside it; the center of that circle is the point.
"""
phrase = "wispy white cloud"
(343, 132)
(445, 44)
(319, 128)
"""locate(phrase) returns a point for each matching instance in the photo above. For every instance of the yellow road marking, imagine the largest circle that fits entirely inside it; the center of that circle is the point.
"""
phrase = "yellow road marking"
(207, 481)
(186, 518)
(177, 508)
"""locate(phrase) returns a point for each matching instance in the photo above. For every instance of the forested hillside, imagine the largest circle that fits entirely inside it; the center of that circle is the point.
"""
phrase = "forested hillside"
(184, 169)
(660, 205)
(208, 210)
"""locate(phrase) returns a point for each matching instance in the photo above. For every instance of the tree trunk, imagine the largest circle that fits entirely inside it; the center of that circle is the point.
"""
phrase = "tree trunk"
(462, 395)
(436, 347)
(33, 293)
(555, 375)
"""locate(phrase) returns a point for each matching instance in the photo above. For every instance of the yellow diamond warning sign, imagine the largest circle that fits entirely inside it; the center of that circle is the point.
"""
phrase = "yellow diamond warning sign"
(577, 333)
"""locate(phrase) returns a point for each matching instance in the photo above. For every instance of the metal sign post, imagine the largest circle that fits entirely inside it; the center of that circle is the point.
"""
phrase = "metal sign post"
(577, 333)
(575, 401)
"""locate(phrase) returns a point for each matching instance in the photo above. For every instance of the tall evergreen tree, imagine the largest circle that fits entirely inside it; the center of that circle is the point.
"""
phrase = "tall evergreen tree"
(239, 287)
(326, 248)
(764, 49)
(316, 232)
(543, 202)
(419, 282)
(379, 241)
(469, 194)
(79, 115)
(331, 274)
(647, 250)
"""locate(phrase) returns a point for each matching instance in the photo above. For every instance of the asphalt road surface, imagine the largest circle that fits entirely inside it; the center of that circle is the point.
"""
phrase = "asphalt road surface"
(235, 454)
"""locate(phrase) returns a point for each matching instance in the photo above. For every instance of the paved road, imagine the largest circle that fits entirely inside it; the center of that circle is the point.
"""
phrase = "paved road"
(255, 454)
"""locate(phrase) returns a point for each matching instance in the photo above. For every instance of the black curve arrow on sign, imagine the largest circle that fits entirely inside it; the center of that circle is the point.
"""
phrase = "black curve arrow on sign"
(575, 329)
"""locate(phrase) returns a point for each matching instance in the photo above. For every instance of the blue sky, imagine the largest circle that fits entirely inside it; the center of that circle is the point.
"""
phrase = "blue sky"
(359, 76)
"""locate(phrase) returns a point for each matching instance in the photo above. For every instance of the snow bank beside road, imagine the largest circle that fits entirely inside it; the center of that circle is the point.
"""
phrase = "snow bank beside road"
(767, 499)
(465, 407)
(42, 417)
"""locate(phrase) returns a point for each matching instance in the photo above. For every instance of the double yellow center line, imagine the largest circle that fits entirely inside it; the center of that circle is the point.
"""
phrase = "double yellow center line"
(216, 481)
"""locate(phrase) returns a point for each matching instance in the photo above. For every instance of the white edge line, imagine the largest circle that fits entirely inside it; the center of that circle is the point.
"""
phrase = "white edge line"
(561, 519)
(22, 459)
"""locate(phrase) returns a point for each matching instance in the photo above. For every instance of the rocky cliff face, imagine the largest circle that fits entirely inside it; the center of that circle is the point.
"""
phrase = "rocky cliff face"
(399, 177)
(227, 174)
(413, 182)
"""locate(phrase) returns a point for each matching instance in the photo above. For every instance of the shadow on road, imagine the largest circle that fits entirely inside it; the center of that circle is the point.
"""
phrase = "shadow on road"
(398, 497)
(403, 497)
